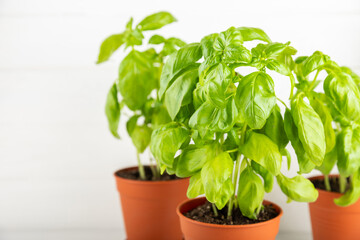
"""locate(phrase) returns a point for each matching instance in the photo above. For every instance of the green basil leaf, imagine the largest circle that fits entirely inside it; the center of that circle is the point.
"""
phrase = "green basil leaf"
(109, 46)
(156, 39)
(326, 118)
(229, 45)
(353, 194)
(345, 95)
(131, 124)
(180, 92)
(216, 83)
(278, 66)
(265, 174)
(166, 141)
(314, 62)
(215, 176)
(274, 49)
(310, 130)
(274, 128)
(250, 193)
(207, 45)
(348, 151)
(196, 186)
(177, 62)
(156, 21)
(305, 163)
(255, 98)
(193, 158)
(329, 162)
(297, 188)
(269, 156)
(250, 34)
(354, 76)
(159, 117)
(112, 110)
(136, 79)
(140, 137)
(210, 118)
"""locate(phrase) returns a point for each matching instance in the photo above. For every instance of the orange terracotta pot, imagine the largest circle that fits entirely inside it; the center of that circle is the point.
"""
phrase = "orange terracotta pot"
(149, 207)
(194, 230)
(331, 222)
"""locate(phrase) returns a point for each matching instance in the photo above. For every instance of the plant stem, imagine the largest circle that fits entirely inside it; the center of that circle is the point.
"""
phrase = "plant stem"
(342, 184)
(314, 81)
(141, 167)
(327, 183)
(215, 210)
(292, 81)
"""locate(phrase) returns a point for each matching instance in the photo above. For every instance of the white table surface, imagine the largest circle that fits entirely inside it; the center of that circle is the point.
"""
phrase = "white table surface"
(105, 235)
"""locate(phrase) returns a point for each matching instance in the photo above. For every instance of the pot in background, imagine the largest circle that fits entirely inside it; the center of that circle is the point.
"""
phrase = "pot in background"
(332, 222)
(149, 207)
(194, 230)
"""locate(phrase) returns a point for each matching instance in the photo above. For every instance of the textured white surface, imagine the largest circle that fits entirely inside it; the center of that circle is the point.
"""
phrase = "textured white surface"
(56, 154)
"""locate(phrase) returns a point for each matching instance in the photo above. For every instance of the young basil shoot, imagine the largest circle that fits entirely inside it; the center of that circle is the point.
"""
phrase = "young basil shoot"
(138, 78)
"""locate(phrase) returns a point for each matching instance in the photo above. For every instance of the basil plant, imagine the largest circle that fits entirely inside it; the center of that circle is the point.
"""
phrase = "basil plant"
(228, 133)
(339, 109)
(138, 81)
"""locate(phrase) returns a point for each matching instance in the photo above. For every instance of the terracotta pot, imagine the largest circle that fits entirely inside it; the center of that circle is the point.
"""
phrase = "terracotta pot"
(149, 207)
(332, 222)
(194, 230)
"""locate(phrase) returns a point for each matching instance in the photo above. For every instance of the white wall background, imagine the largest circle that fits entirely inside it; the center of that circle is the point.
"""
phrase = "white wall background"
(56, 154)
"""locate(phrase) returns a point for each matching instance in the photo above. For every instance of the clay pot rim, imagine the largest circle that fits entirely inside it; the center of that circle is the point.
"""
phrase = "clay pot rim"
(253, 225)
(324, 192)
(146, 182)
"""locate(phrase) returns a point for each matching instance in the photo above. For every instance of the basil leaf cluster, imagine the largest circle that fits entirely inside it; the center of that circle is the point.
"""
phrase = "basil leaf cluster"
(228, 133)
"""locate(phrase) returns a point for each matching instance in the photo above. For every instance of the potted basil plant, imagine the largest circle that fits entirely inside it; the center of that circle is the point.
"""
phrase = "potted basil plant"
(148, 199)
(229, 136)
(336, 213)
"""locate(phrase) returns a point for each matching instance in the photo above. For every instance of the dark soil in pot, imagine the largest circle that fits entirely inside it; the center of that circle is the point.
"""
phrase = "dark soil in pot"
(204, 213)
(334, 184)
(133, 174)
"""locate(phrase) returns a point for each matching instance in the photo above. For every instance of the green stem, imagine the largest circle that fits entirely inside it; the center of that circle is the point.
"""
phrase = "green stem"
(281, 102)
(215, 210)
(327, 183)
(314, 81)
(342, 184)
(292, 82)
(141, 167)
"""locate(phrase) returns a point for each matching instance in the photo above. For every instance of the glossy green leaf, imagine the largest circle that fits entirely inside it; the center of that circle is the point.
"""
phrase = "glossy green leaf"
(180, 92)
(215, 176)
(193, 158)
(265, 174)
(314, 62)
(250, 193)
(262, 150)
(297, 188)
(207, 45)
(166, 141)
(305, 163)
(274, 128)
(255, 98)
(131, 124)
(354, 76)
(310, 130)
(156, 39)
(345, 95)
(140, 137)
(177, 62)
(217, 85)
(324, 113)
(109, 46)
(112, 110)
(250, 34)
(353, 194)
(210, 118)
(329, 162)
(136, 79)
(159, 117)
(196, 186)
(156, 21)
(348, 150)
(278, 66)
